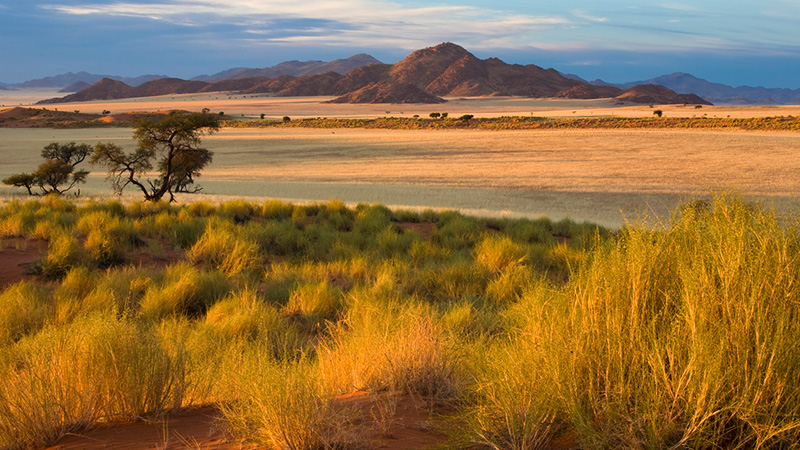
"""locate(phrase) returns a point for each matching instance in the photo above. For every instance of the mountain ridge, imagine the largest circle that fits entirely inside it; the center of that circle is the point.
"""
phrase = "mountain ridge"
(425, 76)
(718, 93)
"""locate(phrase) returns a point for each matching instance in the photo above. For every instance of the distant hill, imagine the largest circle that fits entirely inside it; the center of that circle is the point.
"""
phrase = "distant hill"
(424, 76)
(684, 83)
(294, 68)
(68, 79)
(105, 89)
(655, 94)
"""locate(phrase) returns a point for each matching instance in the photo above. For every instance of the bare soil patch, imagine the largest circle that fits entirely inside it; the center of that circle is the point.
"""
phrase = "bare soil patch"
(424, 229)
(16, 257)
(392, 421)
(155, 252)
(386, 421)
(192, 429)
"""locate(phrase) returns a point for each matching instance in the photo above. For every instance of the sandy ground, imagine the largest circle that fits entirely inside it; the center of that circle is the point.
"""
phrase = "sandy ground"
(235, 105)
(603, 176)
(17, 255)
(408, 428)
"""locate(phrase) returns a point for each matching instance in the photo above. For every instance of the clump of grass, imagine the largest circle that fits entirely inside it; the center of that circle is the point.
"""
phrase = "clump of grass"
(121, 290)
(109, 237)
(185, 290)
(315, 302)
(448, 281)
(67, 379)
(243, 315)
(385, 345)
(239, 211)
(499, 254)
(512, 405)
(221, 247)
(24, 308)
(276, 210)
(456, 232)
(77, 284)
(282, 404)
(201, 209)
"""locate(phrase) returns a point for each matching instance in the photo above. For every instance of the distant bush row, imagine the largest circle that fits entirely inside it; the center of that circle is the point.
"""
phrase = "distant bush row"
(530, 123)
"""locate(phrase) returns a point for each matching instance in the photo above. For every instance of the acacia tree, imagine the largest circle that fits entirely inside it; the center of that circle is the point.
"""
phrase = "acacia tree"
(58, 173)
(170, 145)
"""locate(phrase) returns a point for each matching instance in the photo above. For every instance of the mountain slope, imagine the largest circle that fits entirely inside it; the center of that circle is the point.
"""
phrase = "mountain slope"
(294, 68)
(449, 70)
(105, 89)
(386, 92)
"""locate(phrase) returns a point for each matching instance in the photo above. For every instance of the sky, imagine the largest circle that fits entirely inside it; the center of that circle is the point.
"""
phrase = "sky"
(755, 43)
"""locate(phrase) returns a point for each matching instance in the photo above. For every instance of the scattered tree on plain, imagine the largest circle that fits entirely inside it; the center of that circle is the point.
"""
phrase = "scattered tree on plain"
(57, 174)
(170, 145)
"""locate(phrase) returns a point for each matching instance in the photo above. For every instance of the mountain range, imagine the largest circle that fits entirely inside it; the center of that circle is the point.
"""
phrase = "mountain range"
(294, 68)
(424, 76)
(69, 79)
(282, 79)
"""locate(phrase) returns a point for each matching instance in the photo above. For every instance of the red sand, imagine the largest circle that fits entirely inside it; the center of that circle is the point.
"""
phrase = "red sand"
(16, 257)
(194, 429)
(201, 429)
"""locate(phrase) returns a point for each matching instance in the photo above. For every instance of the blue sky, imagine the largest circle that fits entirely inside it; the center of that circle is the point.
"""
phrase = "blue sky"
(733, 42)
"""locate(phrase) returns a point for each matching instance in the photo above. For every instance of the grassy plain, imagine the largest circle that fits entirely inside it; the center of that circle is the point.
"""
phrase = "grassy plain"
(514, 334)
(602, 176)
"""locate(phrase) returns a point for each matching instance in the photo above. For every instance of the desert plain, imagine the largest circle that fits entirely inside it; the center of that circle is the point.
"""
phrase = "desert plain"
(608, 176)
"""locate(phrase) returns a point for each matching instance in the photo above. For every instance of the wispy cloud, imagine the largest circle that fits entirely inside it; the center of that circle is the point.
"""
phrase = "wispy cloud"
(339, 22)
(673, 24)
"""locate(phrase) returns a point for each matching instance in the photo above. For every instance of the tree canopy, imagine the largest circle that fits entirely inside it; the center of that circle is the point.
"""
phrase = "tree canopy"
(170, 146)
(58, 173)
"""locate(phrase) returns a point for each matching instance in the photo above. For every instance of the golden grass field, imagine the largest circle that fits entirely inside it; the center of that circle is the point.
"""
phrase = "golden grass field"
(243, 324)
(605, 176)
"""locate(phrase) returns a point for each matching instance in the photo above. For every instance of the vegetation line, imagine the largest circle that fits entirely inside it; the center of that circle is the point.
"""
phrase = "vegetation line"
(529, 123)
(44, 118)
